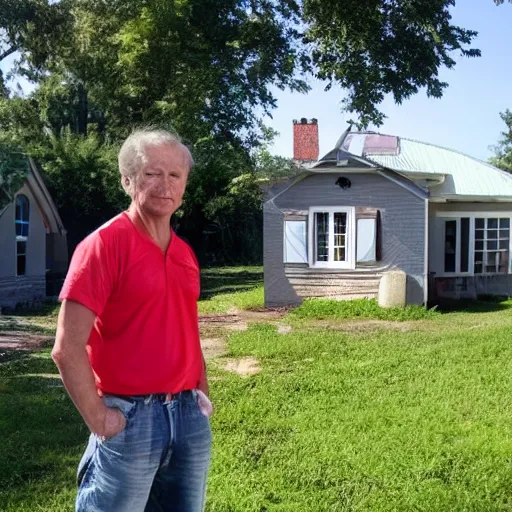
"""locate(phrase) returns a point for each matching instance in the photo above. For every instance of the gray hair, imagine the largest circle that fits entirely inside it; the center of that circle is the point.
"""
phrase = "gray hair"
(132, 155)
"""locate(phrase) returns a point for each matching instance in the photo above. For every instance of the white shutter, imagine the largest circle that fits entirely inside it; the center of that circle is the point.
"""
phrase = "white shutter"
(295, 248)
(366, 240)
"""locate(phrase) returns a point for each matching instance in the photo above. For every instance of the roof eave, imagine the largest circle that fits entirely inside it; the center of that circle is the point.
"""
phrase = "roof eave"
(459, 198)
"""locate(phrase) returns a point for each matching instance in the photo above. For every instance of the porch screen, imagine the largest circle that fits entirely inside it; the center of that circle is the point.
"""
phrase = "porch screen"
(492, 240)
(456, 245)
(477, 245)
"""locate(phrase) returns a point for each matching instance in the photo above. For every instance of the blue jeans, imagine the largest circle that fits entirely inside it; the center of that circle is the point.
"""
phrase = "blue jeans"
(158, 463)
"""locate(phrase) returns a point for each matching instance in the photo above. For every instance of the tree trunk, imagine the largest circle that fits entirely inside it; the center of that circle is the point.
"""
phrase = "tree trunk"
(82, 110)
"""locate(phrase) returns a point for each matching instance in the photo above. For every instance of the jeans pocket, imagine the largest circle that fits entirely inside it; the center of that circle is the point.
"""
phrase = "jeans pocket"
(204, 403)
(127, 407)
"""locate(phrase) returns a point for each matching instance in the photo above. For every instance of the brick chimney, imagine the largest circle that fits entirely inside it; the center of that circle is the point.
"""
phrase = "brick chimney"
(305, 140)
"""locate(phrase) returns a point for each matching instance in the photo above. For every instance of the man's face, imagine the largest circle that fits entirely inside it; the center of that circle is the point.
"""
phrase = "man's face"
(161, 182)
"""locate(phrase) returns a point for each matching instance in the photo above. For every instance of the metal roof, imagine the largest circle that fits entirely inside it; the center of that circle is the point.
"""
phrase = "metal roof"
(447, 173)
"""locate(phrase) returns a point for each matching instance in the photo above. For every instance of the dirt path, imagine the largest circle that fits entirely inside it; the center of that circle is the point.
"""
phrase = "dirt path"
(22, 340)
(213, 328)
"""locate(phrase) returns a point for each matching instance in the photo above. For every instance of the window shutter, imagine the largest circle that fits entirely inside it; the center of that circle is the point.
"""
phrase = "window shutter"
(366, 240)
(295, 245)
(369, 235)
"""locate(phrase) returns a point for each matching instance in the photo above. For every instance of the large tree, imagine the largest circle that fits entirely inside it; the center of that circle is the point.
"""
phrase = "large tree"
(205, 68)
(207, 64)
(35, 28)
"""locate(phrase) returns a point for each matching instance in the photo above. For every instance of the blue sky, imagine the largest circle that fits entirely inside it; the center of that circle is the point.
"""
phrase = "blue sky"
(466, 118)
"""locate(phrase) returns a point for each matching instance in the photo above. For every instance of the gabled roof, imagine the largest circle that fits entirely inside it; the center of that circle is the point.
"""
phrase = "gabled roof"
(338, 156)
(449, 174)
(43, 197)
(35, 183)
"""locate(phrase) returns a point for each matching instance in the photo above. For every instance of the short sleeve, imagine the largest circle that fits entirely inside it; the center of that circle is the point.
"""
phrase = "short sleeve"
(89, 280)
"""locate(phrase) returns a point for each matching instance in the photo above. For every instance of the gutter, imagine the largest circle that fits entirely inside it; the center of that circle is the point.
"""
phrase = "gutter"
(425, 257)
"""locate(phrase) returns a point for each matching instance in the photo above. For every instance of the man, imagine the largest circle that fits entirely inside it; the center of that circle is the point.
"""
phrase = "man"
(127, 345)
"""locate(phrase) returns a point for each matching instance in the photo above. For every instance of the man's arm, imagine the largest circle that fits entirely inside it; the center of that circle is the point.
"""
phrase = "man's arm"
(203, 381)
(73, 329)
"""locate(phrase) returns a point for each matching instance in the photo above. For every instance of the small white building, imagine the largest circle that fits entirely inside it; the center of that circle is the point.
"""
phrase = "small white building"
(380, 202)
(33, 243)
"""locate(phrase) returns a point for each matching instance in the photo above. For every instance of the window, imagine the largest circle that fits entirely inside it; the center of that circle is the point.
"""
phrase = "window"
(22, 226)
(492, 241)
(332, 236)
(321, 222)
(477, 245)
(450, 243)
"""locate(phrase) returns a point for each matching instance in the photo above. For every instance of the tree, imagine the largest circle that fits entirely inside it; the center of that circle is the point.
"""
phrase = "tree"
(140, 60)
(383, 47)
(83, 178)
(204, 68)
(35, 28)
(13, 171)
(503, 151)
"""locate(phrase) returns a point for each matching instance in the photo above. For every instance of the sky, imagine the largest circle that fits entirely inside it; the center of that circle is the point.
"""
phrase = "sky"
(466, 118)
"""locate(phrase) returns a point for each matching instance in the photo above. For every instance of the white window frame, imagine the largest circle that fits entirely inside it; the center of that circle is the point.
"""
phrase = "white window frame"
(350, 237)
(444, 216)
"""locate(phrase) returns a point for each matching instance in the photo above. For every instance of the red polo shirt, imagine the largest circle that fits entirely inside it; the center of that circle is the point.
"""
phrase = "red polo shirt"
(145, 337)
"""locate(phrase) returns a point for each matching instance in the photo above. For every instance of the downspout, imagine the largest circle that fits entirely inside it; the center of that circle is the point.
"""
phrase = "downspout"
(425, 272)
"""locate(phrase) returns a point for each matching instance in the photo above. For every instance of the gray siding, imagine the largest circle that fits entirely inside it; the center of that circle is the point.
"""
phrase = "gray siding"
(21, 289)
(402, 228)
(278, 290)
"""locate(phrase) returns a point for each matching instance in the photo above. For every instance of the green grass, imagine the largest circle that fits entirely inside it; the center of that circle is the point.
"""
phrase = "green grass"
(321, 309)
(385, 421)
(223, 280)
(225, 302)
(41, 320)
(42, 437)
(382, 419)
(223, 289)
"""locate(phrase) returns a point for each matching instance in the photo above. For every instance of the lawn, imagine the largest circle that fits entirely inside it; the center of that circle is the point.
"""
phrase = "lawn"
(354, 409)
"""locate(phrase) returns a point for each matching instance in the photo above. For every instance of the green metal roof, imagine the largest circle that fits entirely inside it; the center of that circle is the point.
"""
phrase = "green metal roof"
(421, 162)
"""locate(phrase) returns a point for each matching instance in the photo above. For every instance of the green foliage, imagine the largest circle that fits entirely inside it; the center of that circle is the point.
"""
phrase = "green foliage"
(361, 308)
(503, 151)
(83, 178)
(271, 168)
(226, 302)
(13, 171)
(384, 47)
(35, 28)
(236, 222)
(141, 60)
(20, 122)
(217, 193)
